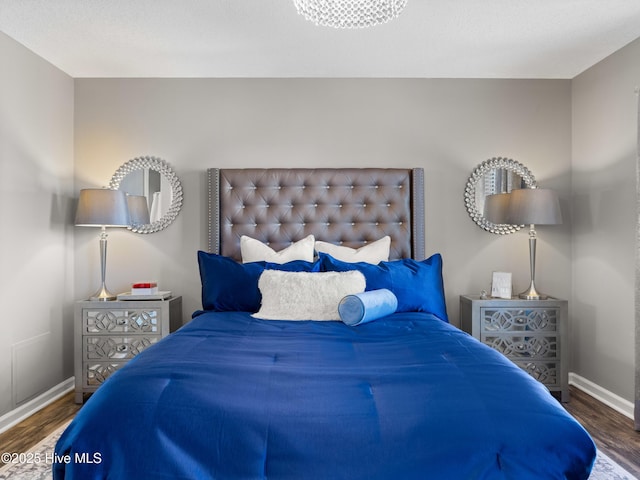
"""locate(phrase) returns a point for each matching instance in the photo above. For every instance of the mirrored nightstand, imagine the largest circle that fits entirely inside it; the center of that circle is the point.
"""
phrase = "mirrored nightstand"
(531, 333)
(109, 334)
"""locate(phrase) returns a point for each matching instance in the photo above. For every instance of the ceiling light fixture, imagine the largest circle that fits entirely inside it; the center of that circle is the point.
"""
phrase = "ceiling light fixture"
(349, 13)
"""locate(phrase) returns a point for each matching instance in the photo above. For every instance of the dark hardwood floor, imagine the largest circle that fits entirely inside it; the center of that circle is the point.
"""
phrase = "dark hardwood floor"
(37, 427)
(612, 431)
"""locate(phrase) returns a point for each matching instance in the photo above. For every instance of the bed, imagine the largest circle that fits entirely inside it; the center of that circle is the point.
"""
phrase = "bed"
(240, 394)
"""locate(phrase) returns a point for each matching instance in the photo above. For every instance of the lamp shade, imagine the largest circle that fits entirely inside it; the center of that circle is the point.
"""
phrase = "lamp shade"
(102, 207)
(496, 208)
(534, 206)
(138, 209)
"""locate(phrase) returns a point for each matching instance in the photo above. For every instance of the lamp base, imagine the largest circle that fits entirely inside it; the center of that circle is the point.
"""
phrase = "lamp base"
(532, 294)
(103, 295)
(528, 296)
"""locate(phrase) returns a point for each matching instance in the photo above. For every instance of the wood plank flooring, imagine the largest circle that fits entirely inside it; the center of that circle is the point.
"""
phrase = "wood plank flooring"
(37, 427)
(612, 431)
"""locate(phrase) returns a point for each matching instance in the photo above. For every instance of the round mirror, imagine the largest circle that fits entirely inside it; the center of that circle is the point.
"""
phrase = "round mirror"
(153, 179)
(488, 181)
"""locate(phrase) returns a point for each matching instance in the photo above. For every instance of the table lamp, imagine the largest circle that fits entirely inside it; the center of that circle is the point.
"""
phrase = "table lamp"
(496, 208)
(533, 206)
(138, 209)
(102, 207)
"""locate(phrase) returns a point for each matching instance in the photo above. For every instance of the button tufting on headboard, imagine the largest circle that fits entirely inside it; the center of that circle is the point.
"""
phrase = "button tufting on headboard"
(351, 207)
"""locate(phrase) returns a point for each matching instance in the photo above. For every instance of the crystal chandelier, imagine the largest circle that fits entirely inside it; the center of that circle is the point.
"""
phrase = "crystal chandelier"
(349, 13)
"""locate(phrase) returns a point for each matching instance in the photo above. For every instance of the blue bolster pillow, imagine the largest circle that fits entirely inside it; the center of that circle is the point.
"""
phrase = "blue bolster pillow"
(367, 306)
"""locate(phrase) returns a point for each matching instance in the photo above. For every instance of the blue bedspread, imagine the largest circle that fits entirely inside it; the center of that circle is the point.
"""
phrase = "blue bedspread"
(406, 397)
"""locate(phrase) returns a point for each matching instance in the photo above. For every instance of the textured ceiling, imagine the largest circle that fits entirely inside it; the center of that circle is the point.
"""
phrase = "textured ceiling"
(267, 38)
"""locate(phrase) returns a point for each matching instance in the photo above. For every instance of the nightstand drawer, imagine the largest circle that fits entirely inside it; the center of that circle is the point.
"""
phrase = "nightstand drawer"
(519, 347)
(545, 372)
(94, 374)
(130, 321)
(116, 348)
(519, 319)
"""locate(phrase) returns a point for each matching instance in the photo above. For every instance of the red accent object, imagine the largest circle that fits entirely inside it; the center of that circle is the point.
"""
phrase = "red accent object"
(144, 285)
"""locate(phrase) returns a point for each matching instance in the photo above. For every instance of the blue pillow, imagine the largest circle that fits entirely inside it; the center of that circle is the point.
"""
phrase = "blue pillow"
(228, 285)
(418, 286)
(367, 306)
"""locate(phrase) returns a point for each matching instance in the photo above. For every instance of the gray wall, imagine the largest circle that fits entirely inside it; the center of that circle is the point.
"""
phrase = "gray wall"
(604, 220)
(445, 126)
(36, 240)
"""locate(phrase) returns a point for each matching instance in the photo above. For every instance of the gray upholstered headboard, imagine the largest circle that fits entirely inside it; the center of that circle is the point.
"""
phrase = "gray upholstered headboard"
(347, 206)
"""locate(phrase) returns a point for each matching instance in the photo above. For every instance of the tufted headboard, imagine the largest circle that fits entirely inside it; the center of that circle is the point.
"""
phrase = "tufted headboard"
(347, 206)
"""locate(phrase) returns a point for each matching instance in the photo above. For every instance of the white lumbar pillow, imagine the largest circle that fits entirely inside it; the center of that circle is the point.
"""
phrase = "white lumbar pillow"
(306, 295)
(374, 252)
(253, 250)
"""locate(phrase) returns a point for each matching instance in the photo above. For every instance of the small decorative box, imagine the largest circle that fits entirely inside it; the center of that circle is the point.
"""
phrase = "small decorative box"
(144, 288)
(145, 291)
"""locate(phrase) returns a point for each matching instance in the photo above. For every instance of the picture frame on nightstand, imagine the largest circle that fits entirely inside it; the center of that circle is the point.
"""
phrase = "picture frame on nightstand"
(501, 285)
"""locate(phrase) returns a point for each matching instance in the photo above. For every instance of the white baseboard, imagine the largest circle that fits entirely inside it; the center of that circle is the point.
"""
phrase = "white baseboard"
(16, 415)
(603, 395)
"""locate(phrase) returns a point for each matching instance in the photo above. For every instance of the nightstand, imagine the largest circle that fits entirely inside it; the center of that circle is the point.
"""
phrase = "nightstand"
(108, 334)
(531, 333)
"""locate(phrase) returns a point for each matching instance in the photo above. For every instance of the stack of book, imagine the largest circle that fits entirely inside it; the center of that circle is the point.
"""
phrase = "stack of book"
(144, 288)
(145, 291)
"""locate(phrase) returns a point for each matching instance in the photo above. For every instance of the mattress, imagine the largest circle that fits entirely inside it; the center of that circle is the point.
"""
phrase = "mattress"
(229, 396)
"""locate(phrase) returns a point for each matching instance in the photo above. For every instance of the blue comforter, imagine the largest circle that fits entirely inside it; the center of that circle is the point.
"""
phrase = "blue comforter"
(406, 397)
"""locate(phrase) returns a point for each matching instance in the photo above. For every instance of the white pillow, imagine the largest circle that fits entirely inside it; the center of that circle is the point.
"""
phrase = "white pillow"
(374, 252)
(253, 250)
(306, 295)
